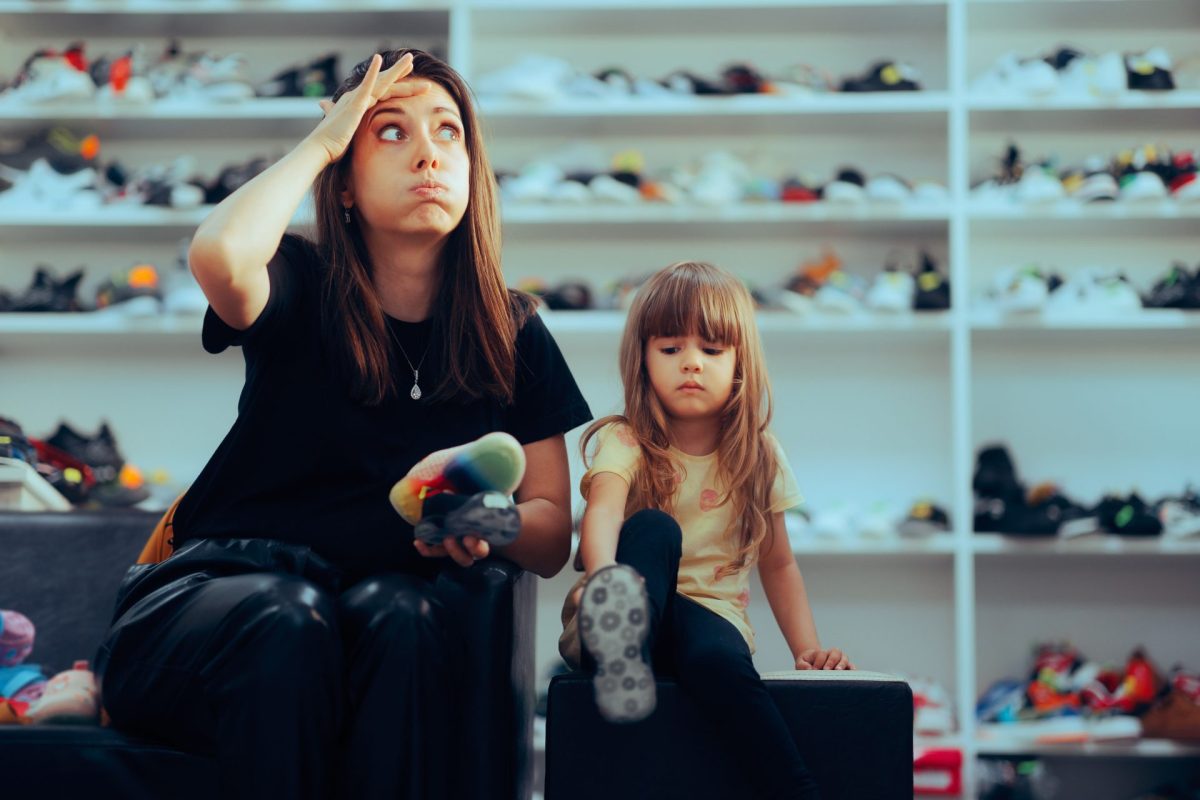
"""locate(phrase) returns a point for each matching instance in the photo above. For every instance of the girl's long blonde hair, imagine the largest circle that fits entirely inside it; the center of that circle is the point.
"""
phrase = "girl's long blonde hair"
(695, 298)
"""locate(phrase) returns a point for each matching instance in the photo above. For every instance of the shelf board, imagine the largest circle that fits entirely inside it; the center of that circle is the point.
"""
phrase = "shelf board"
(1135, 748)
(1164, 319)
(743, 213)
(207, 7)
(995, 544)
(735, 106)
(640, 214)
(1177, 99)
(258, 109)
(1068, 210)
(941, 545)
(561, 5)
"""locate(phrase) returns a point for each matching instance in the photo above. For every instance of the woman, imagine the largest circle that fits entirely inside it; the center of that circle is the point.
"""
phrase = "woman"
(294, 632)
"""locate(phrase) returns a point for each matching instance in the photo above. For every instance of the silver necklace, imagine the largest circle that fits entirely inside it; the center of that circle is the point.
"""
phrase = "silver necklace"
(415, 394)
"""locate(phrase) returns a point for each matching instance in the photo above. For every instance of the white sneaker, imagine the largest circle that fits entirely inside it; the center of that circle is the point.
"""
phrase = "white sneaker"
(1037, 187)
(841, 294)
(892, 291)
(1144, 187)
(836, 523)
(888, 189)
(51, 80)
(1019, 290)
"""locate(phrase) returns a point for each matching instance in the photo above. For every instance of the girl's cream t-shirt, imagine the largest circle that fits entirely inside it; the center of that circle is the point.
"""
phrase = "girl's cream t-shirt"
(709, 533)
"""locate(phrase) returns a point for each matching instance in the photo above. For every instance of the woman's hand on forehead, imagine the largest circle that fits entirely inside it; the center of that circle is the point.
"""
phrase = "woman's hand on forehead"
(335, 131)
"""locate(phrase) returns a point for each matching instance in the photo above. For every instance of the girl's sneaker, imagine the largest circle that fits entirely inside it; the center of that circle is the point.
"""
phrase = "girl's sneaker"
(614, 621)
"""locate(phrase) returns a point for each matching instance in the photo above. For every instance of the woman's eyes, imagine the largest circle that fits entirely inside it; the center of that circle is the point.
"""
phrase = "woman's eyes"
(446, 132)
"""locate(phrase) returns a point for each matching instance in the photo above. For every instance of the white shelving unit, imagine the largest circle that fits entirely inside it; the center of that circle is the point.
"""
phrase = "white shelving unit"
(868, 407)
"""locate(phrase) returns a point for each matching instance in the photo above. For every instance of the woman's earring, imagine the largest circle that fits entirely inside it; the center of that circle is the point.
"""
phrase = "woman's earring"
(346, 214)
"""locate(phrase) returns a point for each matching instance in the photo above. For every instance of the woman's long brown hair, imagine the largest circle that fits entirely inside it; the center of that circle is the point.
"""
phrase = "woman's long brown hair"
(475, 317)
(694, 298)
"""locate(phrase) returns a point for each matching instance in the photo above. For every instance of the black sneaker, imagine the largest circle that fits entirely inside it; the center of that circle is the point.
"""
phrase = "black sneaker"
(1132, 517)
(66, 152)
(99, 452)
(933, 288)
(1047, 511)
(318, 79)
(743, 79)
(1149, 71)
(884, 76)
(1176, 289)
(48, 294)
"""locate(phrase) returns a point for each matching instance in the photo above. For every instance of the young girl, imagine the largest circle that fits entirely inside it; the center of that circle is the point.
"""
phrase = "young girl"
(685, 493)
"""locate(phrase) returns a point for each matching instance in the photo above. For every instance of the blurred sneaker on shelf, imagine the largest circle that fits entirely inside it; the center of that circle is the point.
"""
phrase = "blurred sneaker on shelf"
(134, 292)
(124, 79)
(118, 484)
(1089, 76)
(924, 519)
(847, 188)
(1149, 70)
(319, 78)
(1176, 289)
(1048, 511)
(50, 77)
(1130, 517)
(1183, 181)
(1011, 75)
(837, 522)
(933, 288)
(1018, 290)
(533, 77)
(884, 76)
(45, 189)
(894, 290)
(1180, 516)
(1095, 293)
(880, 521)
(204, 77)
(1039, 185)
(1093, 184)
(48, 294)
(842, 293)
(888, 189)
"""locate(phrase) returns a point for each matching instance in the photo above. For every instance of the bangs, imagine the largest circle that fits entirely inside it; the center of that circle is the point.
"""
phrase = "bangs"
(692, 299)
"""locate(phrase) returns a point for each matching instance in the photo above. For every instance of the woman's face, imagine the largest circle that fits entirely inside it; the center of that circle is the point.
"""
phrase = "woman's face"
(410, 170)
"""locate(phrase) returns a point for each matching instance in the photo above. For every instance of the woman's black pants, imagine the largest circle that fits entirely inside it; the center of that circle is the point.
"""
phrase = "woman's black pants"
(246, 649)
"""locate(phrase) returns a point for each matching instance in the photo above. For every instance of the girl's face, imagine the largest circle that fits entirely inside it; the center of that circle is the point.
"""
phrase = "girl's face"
(410, 170)
(692, 378)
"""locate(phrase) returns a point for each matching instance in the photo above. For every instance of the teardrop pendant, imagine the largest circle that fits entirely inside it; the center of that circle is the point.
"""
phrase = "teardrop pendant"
(415, 394)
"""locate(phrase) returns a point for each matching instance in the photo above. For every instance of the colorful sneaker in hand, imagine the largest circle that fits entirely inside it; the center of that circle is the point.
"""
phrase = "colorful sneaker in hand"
(492, 463)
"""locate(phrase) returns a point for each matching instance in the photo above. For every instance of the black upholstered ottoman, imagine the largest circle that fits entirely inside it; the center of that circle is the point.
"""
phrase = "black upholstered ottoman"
(854, 729)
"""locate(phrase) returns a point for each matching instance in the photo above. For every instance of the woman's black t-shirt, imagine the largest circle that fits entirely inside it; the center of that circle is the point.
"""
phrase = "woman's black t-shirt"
(305, 463)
